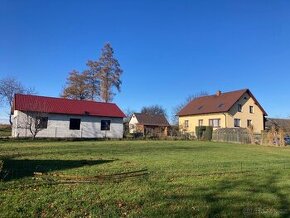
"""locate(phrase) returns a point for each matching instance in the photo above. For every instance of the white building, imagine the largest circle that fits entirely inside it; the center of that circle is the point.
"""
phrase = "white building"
(65, 118)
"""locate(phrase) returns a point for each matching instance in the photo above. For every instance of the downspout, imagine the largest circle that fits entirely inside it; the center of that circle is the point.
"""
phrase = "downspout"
(225, 120)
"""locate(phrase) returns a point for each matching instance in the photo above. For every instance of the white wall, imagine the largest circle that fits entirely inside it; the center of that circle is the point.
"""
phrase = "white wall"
(132, 124)
(58, 127)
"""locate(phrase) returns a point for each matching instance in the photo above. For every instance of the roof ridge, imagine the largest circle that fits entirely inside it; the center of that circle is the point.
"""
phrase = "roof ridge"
(68, 99)
(223, 93)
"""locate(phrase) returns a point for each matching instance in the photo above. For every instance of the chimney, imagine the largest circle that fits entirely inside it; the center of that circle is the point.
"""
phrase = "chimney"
(218, 93)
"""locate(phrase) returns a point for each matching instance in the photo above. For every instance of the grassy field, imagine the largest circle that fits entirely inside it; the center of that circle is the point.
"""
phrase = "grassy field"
(143, 179)
(5, 130)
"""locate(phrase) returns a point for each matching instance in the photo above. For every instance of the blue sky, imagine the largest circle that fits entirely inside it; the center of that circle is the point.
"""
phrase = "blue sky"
(167, 49)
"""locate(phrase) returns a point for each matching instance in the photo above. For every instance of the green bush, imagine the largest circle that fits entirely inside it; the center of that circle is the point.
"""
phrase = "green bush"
(204, 132)
(199, 131)
(208, 133)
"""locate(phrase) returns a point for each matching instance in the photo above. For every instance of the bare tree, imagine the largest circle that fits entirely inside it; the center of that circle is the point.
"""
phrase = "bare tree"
(190, 98)
(35, 120)
(154, 110)
(128, 113)
(77, 86)
(9, 86)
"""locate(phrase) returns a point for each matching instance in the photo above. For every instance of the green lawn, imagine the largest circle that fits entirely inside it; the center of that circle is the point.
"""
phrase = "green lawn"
(143, 179)
(5, 130)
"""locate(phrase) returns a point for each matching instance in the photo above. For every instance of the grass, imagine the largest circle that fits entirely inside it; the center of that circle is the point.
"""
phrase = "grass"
(5, 130)
(143, 179)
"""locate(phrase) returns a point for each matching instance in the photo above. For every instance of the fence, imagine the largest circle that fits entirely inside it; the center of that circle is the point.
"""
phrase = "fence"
(234, 135)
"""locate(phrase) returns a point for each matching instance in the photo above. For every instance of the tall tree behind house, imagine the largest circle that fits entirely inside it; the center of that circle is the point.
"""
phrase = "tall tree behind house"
(108, 71)
(77, 86)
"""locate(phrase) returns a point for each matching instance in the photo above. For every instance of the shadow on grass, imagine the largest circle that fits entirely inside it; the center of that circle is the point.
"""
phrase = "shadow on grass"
(16, 169)
(243, 197)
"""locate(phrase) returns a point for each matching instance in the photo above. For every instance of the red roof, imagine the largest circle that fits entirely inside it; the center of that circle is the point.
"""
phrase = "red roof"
(216, 103)
(66, 106)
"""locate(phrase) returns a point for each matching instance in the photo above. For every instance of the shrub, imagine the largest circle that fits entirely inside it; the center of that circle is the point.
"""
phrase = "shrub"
(204, 132)
(199, 131)
(207, 135)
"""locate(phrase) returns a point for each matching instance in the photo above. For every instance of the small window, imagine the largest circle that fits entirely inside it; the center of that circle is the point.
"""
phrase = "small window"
(41, 122)
(215, 123)
(200, 122)
(105, 124)
(249, 123)
(237, 123)
(251, 109)
(75, 124)
(186, 124)
(239, 108)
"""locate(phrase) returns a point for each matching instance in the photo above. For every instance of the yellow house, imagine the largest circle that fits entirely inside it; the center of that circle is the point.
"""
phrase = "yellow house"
(238, 109)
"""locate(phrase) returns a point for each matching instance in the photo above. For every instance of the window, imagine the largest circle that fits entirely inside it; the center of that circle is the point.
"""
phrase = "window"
(74, 124)
(251, 109)
(237, 123)
(186, 124)
(200, 122)
(249, 123)
(214, 123)
(41, 122)
(105, 124)
(239, 108)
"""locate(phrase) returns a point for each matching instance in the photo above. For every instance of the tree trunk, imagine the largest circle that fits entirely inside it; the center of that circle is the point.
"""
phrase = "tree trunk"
(10, 119)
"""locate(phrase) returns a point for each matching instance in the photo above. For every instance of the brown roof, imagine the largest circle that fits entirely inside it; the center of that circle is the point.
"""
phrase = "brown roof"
(282, 123)
(151, 120)
(216, 103)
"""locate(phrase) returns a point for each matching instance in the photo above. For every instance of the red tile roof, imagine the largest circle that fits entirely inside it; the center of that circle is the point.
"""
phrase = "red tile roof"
(151, 120)
(65, 106)
(216, 103)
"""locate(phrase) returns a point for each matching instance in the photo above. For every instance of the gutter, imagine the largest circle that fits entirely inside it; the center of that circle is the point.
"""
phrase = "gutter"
(225, 120)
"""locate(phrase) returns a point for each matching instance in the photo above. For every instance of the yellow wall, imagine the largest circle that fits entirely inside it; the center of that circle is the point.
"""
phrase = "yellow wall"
(193, 121)
(257, 117)
(227, 119)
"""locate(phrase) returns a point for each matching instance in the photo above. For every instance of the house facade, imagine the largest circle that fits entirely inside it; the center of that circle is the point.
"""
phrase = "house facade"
(148, 124)
(65, 118)
(236, 109)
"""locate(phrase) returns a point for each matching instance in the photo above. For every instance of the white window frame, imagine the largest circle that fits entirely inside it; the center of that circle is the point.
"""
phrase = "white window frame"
(251, 111)
(212, 122)
(200, 122)
(186, 123)
(251, 123)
